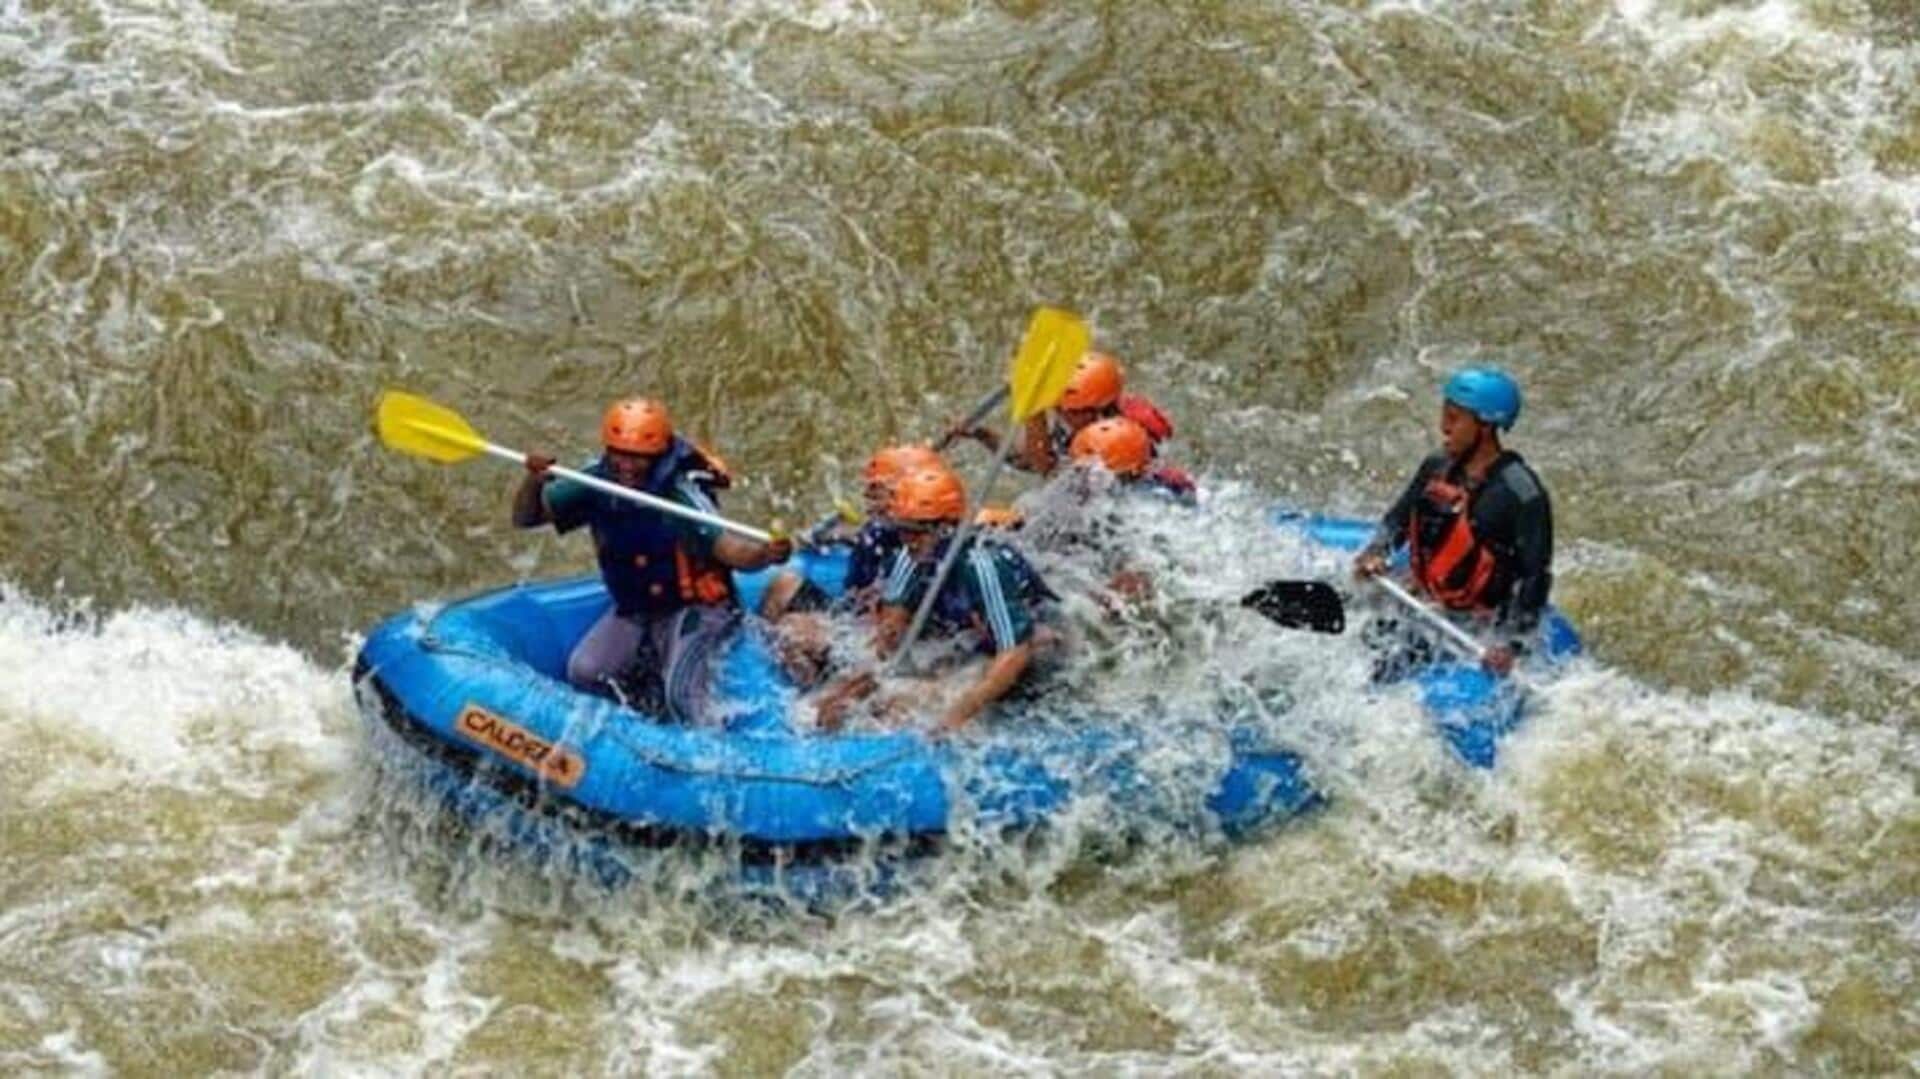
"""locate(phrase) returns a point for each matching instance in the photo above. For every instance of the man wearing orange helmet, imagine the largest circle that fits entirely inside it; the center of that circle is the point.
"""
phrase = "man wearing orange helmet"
(870, 545)
(798, 608)
(990, 595)
(1095, 392)
(669, 578)
(1125, 448)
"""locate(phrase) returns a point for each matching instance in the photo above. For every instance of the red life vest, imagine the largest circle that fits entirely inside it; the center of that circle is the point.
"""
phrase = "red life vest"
(1174, 481)
(1146, 414)
(1448, 560)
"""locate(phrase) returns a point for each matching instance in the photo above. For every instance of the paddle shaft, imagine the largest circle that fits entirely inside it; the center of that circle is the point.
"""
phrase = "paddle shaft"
(1455, 636)
(987, 404)
(631, 495)
(1458, 637)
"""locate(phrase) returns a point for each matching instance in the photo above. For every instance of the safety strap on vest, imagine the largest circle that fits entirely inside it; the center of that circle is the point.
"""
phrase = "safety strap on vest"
(1458, 571)
(705, 584)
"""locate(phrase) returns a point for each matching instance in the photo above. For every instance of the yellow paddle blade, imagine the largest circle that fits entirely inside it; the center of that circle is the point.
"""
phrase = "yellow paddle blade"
(1046, 361)
(416, 425)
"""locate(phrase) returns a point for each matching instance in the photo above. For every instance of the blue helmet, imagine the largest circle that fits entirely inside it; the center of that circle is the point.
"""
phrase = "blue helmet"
(1488, 393)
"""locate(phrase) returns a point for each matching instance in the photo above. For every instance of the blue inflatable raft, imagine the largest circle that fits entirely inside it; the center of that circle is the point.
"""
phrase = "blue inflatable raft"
(476, 689)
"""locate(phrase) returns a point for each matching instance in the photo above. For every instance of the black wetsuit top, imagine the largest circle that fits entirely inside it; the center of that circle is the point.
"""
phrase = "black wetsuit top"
(1511, 516)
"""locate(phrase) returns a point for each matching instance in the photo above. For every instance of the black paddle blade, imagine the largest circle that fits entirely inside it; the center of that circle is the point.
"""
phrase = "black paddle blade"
(1310, 605)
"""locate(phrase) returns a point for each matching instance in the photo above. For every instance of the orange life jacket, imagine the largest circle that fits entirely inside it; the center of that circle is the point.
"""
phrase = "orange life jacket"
(1448, 560)
(701, 581)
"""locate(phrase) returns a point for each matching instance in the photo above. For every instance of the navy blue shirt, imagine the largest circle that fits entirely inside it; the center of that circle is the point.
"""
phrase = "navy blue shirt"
(870, 551)
(991, 588)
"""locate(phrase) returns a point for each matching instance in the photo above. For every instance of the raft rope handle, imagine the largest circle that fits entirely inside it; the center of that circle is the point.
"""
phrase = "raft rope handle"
(843, 778)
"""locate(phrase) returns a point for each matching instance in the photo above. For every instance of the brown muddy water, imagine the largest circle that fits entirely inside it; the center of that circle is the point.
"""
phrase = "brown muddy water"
(1691, 226)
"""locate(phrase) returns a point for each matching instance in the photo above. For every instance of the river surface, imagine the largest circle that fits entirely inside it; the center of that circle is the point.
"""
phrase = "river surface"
(1691, 226)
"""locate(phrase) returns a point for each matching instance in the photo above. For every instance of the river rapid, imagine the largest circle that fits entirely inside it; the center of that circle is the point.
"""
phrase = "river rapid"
(1691, 226)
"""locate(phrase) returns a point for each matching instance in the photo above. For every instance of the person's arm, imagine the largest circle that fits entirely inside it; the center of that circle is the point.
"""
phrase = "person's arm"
(831, 707)
(730, 550)
(1521, 501)
(1392, 531)
(890, 623)
(830, 711)
(1533, 565)
(900, 588)
(529, 502)
(994, 581)
(738, 552)
(999, 677)
(779, 594)
(1036, 451)
(981, 434)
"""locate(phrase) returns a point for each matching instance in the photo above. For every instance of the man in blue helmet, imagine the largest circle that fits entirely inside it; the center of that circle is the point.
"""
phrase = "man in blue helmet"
(1475, 519)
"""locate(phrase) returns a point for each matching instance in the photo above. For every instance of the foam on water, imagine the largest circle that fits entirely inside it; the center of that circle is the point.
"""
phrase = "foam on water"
(1689, 861)
(164, 696)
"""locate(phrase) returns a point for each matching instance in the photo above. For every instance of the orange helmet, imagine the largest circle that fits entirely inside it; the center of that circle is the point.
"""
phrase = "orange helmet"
(928, 495)
(1096, 383)
(637, 425)
(889, 463)
(1117, 442)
